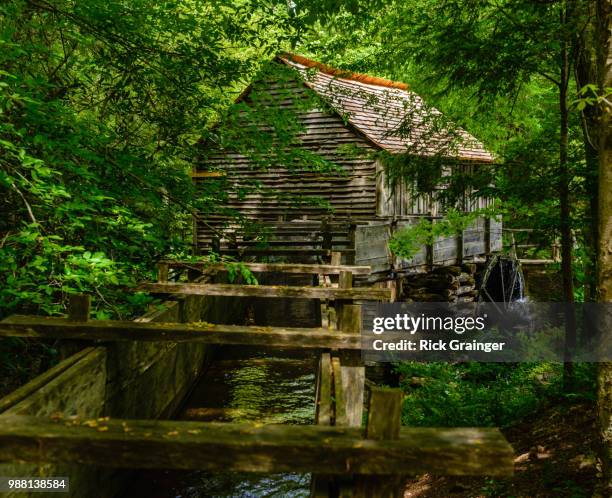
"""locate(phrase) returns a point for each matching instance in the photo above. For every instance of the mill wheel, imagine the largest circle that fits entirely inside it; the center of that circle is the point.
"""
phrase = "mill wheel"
(502, 281)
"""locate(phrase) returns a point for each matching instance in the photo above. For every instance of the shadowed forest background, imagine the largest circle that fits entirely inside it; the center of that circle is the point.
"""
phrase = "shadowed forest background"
(105, 107)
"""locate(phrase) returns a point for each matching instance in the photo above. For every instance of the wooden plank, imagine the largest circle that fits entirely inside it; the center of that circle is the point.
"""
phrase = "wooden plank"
(218, 447)
(208, 174)
(538, 261)
(277, 268)
(384, 414)
(340, 417)
(272, 245)
(43, 379)
(352, 369)
(270, 291)
(235, 335)
(384, 423)
(324, 395)
(280, 251)
(79, 390)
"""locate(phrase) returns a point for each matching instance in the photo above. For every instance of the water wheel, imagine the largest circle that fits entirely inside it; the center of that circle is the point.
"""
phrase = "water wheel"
(502, 281)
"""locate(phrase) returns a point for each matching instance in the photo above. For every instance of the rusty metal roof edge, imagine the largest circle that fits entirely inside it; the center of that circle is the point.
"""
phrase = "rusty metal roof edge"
(342, 73)
(289, 59)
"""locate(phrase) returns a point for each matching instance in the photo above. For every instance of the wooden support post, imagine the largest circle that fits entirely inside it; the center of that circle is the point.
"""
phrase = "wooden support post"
(162, 272)
(340, 415)
(336, 258)
(345, 281)
(215, 245)
(384, 413)
(351, 237)
(459, 240)
(353, 371)
(429, 248)
(429, 256)
(487, 236)
(384, 423)
(326, 234)
(78, 307)
(324, 391)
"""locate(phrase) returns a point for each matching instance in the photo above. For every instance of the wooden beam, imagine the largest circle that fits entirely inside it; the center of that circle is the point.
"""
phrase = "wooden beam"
(217, 447)
(208, 174)
(250, 251)
(384, 414)
(352, 368)
(276, 243)
(384, 423)
(162, 271)
(40, 381)
(363, 293)
(324, 391)
(276, 268)
(235, 335)
(340, 418)
(538, 261)
(79, 306)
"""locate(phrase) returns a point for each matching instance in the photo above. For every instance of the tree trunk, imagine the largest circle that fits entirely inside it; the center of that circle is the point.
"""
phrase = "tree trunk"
(586, 71)
(564, 203)
(604, 263)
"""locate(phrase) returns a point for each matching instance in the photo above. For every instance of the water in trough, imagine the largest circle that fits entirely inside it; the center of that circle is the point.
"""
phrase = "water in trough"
(240, 386)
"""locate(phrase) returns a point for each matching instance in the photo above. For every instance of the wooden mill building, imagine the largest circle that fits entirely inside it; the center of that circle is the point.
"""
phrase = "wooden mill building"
(354, 122)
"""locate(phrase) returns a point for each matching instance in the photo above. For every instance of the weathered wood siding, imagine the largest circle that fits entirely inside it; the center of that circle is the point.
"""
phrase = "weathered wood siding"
(272, 195)
(371, 246)
(394, 201)
(496, 234)
(291, 192)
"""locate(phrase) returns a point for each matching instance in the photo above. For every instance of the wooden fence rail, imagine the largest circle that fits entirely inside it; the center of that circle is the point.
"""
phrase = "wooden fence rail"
(137, 444)
(305, 269)
(234, 335)
(272, 291)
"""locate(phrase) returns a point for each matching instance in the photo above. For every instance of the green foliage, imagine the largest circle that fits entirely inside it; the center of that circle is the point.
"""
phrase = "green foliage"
(484, 394)
(494, 69)
(103, 109)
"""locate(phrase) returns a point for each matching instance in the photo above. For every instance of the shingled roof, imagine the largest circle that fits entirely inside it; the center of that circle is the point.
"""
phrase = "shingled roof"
(387, 112)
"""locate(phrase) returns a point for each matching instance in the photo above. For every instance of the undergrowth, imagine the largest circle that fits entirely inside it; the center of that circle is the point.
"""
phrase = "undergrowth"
(485, 394)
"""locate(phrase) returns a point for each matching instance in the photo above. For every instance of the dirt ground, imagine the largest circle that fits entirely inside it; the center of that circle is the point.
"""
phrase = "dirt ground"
(555, 457)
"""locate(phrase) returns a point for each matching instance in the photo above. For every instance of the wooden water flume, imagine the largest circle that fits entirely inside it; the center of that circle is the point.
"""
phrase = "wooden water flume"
(341, 454)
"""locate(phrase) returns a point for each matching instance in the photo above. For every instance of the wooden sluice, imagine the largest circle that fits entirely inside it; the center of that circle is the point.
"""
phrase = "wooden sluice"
(345, 458)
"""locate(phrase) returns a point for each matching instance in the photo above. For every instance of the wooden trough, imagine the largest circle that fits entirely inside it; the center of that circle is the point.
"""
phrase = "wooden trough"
(371, 461)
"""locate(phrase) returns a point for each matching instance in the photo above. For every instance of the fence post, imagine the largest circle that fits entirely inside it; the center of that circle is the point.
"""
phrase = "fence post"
(384, 422)
(345, 281)
(352, 369)
(162, 272)
(79, 306)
